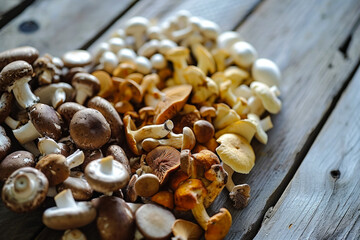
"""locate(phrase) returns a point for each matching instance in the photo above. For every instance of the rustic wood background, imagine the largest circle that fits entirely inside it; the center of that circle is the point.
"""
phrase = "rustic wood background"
(305, 180)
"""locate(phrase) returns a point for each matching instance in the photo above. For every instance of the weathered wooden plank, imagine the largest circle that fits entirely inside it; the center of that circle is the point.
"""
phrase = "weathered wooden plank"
(9, 9)
(228, 14)
(322, 200)
(303, 37)
(60, 25)
(8, 5)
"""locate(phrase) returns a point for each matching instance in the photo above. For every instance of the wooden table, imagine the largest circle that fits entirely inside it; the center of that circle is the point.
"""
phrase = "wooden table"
(306, 182)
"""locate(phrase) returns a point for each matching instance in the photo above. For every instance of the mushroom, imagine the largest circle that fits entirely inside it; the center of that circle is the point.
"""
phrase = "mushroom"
(44, 121)
(73, 234)
(106, 175)
(235, 151)
(239, 194)
(204, 160)
(55, 94)
(56, 167)
(147, 185)
(89, 129)
(207, 113)
(109, 61)
(245, 128)
(15, 77)
(5, 143)
(116, 43)
(243, 54)
(149, 48)
(110, 114)
(44, 70)
(186, 230)
(266, 71)
(119, 155)
(6, 101)
(218, 177)
(67, 111)
(224, 116)
(115, 219)
(134, 137)
(260, 134)
(163, 160)
(203, 131)
(91, 155)
(25, 189)
(190, 195)
(154, 222)
(137, 27)
(220, 55)
(48, 145)
(14, 161)
(126, 55)
(26, 53)
(164, 198)
(131, 195)
(76, 58)
(67, 213)
(143, 65)
(130, 90)
(175, 99)
(166, 45)
(78, 185)
(268, 98)
(178, 56)
(86, 85)
(227, 39)
(106, 83)
(205, 61)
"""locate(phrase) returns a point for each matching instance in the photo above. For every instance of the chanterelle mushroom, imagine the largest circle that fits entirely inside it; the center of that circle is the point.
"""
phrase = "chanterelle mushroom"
(68, 213)
(89, 129)
(154, 222)
(44, 121)
(15, 77)
(185, 230)
(106, 175)
(25, 189)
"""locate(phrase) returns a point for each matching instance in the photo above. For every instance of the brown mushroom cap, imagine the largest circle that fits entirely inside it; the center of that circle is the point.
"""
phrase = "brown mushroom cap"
(86, 79)
(119, 155)
(14, 161)
(175, 99)
(110, 114)
(55, 168)
(25, 189)
(5, 105)
(203, 131)
(163, 160)
(115, 219)
(154, 222)
(91, 155)
(80, 188)
(205, 159)
(131, 195)
(147, 185)
(89, 129)
(14, 71)
(27, 54)
(46, 120)
(5, 143)
(68, 109)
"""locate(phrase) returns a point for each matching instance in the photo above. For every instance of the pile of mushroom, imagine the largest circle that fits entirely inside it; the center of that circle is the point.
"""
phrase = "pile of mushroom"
(150, 126)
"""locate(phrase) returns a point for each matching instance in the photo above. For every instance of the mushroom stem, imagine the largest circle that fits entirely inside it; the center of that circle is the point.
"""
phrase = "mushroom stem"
(26, 133)
(65, 199)
(82, 94)
(58, 98)
(201, 215)
(106, 165)
(75, 159)
(12, 123)
(31, 147)
(23, 93)
(47, 146)
(23, 186)
(229, 184)
(174, 140)
(153, 131)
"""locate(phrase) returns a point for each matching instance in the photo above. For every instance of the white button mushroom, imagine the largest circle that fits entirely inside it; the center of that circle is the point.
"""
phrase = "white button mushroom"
(266, 71)
(116, 44)
(158, 61)
(126, 55)
(109, 61)
(99, 51)
(143, 65)
(227, 39)
(243, 54)
(137, 27)
(166, 45)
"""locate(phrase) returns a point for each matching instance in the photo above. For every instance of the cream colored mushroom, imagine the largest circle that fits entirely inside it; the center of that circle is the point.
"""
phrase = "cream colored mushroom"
(224, 116)
(149, 48)
(243, 54)
(178, 56)
(205, 61)
(260, 134)
(227, 39)
(268, 98)
(266, 71)
(245, 128)
(116, 43)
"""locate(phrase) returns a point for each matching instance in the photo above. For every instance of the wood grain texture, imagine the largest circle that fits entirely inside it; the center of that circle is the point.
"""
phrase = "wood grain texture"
(7, 5)
(63, 25)
(303, 38)
(322, 200)
(226, 13)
